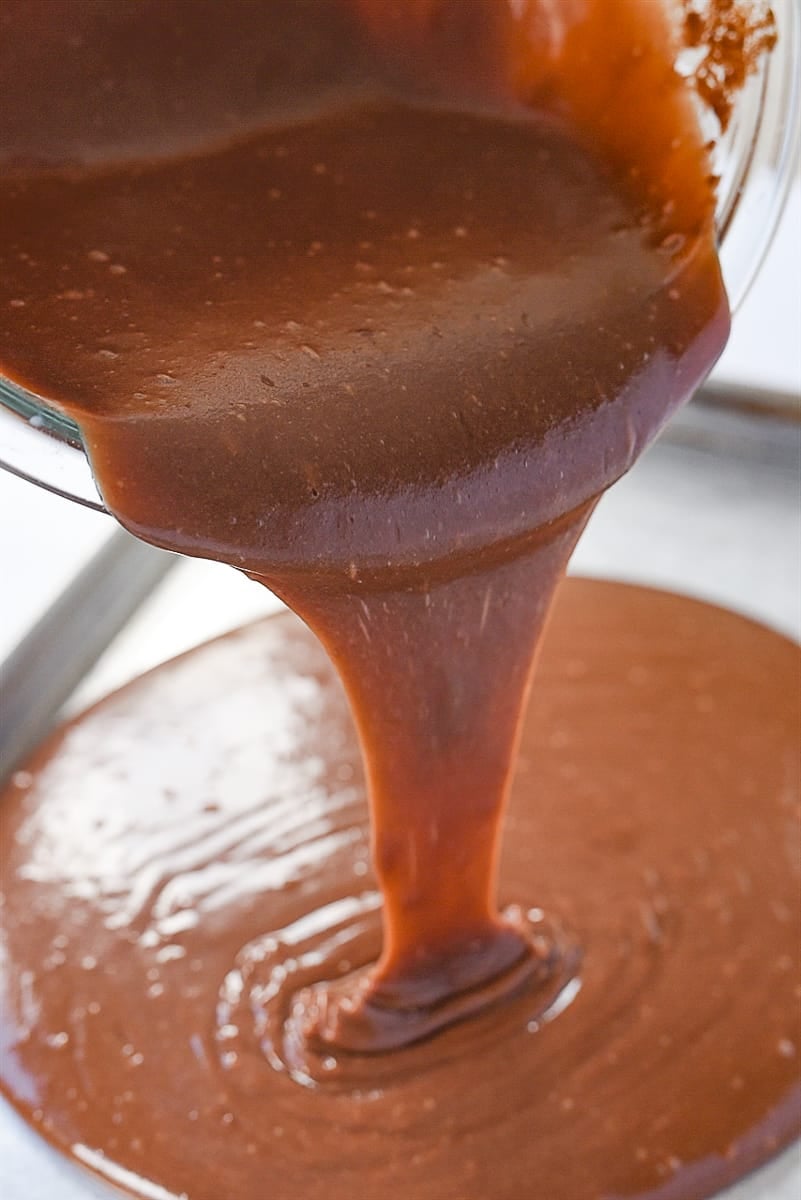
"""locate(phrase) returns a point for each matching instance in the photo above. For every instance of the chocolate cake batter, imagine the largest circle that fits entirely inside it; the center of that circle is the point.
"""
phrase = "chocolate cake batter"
(163, 908)
(373, 301)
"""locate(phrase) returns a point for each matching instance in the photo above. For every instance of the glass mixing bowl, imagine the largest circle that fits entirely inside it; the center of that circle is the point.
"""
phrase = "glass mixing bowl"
(754, 159)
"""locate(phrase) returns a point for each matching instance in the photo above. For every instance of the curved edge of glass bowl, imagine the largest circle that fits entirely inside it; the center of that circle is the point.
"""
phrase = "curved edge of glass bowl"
(758, 173)
(43, 447)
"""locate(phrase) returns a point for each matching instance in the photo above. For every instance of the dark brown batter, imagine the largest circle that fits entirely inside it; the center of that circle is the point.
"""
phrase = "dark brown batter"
(374, 308)
(154, 901)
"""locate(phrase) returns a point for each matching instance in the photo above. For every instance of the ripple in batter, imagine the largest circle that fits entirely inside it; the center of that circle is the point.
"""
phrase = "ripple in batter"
(210, 818)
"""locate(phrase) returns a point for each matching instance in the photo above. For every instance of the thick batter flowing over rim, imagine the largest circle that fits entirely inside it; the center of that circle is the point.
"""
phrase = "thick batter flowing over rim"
(373, 300)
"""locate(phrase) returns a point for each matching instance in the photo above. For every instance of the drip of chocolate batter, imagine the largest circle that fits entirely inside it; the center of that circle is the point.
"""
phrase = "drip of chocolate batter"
(393, 394)
(372, 301)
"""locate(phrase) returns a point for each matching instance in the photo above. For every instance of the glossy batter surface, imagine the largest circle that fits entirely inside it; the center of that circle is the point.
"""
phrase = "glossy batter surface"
(161, 909)
(381, 345)
(353, 288)
(373, 300)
